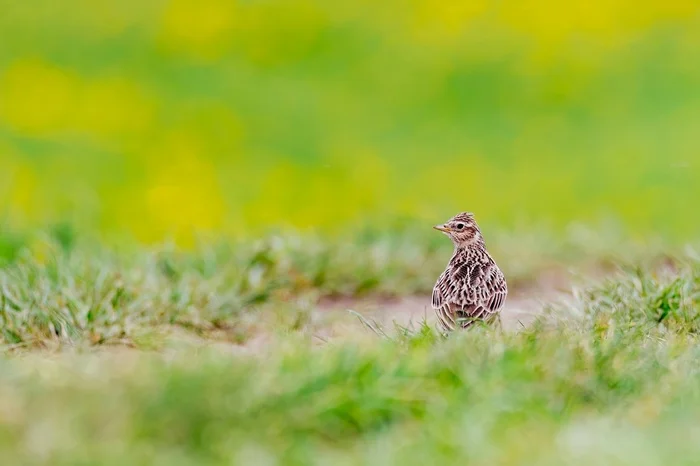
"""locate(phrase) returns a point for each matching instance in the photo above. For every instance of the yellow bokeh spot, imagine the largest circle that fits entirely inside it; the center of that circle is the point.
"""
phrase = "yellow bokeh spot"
(350, 187)
(37, 98)
(445, 21)
(19, 188)
(184, 196)
(552, 25)
(114, 105)
(200, 27)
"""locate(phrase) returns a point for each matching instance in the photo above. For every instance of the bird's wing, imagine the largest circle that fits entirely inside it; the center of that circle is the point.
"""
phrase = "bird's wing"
(441, 304)
(493, 289)
(486, 292)
(482, 288)
(439, 290)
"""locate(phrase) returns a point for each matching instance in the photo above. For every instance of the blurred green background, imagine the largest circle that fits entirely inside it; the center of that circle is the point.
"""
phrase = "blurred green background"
(160, 118)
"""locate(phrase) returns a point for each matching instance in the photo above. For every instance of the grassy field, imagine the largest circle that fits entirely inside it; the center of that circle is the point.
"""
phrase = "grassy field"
(194, 195)
(58, 287)
(145, 359)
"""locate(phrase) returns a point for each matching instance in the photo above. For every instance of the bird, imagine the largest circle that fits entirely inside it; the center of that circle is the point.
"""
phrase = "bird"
(472, 288)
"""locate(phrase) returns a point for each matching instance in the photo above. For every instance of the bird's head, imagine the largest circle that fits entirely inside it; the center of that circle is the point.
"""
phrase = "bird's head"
(462, 230)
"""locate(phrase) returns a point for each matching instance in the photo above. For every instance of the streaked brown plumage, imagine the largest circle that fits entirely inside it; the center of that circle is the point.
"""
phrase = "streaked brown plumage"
(472, 288)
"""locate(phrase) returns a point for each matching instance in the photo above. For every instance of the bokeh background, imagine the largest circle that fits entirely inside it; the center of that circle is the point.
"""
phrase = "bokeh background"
(165, 118)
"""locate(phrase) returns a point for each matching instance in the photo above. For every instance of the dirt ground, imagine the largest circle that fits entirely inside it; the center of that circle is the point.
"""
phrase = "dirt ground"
(337, 319)
(520, 309)
(525, 301)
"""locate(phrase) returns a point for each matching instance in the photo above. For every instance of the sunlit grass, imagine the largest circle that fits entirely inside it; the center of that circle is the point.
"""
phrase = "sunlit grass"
(57, 288)
(615, 384)
(276, 156)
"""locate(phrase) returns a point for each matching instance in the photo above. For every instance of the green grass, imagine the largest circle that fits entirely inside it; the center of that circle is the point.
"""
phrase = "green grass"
(161, 120)
(611, 377)
(56, 288)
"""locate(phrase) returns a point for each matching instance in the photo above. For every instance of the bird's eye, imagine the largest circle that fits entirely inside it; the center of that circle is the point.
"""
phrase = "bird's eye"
(460, 226)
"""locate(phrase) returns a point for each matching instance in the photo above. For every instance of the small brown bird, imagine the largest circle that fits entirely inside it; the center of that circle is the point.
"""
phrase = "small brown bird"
(472, 288)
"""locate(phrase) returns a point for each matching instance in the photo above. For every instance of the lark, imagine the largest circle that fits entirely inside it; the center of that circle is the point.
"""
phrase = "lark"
(472, 288)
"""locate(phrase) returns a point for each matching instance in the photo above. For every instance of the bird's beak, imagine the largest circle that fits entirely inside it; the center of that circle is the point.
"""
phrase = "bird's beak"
(442, 228)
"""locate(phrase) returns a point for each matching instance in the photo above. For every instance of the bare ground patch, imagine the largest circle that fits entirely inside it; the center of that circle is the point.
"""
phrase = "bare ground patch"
(525, 302)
